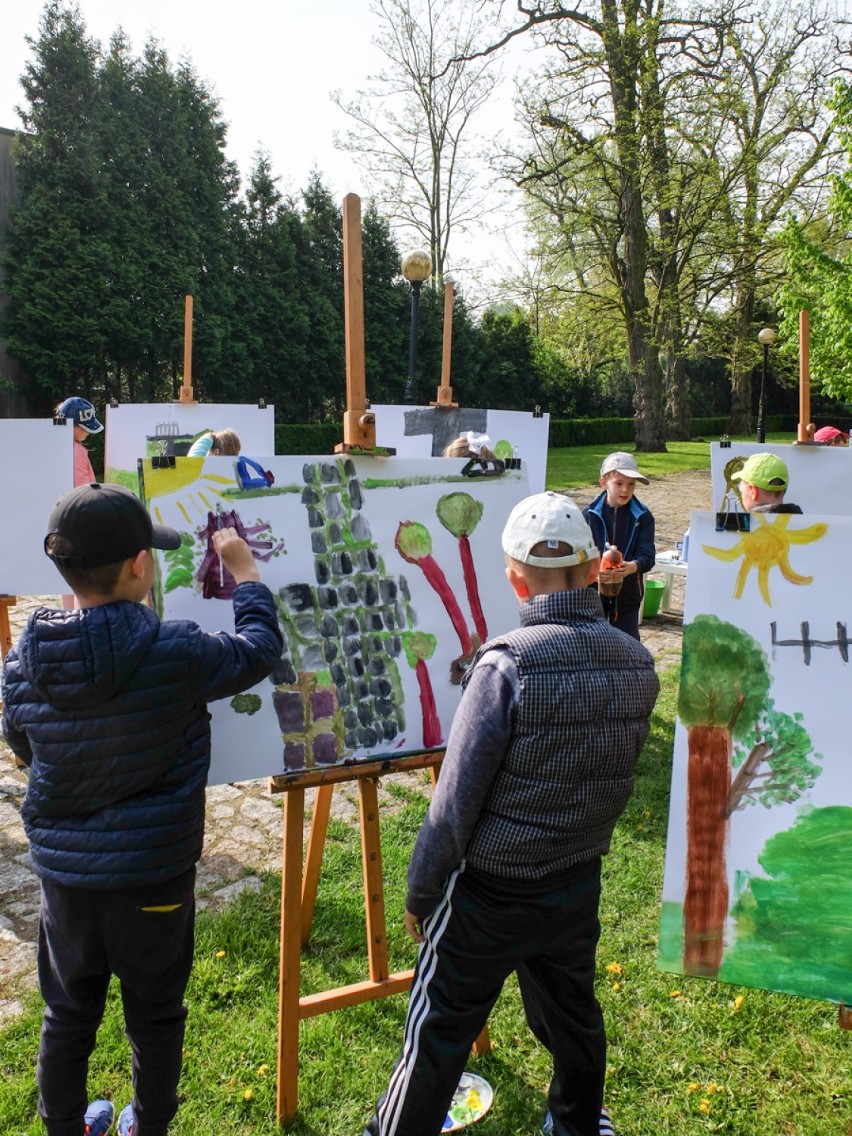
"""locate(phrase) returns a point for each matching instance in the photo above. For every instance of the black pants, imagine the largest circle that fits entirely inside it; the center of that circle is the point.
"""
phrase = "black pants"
(480, 933)
(145, 937)
(626, 621)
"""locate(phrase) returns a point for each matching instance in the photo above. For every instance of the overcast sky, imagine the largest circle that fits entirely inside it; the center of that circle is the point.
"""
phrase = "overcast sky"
(272, 63)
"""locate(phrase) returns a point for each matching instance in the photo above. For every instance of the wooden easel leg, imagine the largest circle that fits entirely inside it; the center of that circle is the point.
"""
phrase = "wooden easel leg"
(374, 888)
(6, 603)
(482, 1043)
(290, 960)
(313, 859)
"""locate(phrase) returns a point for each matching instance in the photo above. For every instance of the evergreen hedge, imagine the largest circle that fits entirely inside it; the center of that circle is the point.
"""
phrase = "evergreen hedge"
(314, 438)
(322, 437)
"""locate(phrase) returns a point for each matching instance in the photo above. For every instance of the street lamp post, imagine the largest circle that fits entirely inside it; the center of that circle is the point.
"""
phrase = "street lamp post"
(765, 337)
(416, 267)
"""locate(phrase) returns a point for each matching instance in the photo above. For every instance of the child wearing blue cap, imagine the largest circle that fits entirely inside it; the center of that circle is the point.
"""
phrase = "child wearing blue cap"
(85, 420)
(83, 415)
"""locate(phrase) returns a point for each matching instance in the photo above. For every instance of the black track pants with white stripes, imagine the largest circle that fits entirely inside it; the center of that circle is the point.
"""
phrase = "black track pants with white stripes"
(483, 930)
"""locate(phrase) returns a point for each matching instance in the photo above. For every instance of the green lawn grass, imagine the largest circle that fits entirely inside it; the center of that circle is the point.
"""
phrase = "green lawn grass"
(686, 1056)
(574, 466)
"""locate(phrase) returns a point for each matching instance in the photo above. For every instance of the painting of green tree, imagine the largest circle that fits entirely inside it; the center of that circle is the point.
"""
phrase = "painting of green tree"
(807, 885)
(731, 725)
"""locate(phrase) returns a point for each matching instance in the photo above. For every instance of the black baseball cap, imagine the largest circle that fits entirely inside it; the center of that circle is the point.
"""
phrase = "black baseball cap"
(102, 524)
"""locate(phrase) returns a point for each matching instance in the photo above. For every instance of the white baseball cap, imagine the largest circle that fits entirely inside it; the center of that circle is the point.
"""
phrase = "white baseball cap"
(550, 517)
(625, 464)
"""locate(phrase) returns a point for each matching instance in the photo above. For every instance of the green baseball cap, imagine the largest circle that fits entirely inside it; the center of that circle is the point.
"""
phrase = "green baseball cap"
(766, 471)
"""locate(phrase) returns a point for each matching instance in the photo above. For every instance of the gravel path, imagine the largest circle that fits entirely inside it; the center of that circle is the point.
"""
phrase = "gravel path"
(244, 821)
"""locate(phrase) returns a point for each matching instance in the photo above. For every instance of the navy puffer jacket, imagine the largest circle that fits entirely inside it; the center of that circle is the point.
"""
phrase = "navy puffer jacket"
(107, 706)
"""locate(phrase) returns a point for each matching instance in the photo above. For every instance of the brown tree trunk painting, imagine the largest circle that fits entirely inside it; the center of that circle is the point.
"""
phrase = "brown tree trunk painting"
(705, 907)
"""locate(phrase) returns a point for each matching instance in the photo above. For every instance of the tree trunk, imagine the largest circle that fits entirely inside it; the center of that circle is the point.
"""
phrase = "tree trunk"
(648, 397)
(741, 373)
(678, 410)
(705, 906)
(621, 48)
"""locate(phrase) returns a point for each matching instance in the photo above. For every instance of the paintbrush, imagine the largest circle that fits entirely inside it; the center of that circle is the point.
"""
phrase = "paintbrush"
(218, 528)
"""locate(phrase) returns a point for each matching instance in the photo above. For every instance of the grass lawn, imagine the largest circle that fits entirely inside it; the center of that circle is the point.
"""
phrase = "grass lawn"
(686, 1056)
(573, 466)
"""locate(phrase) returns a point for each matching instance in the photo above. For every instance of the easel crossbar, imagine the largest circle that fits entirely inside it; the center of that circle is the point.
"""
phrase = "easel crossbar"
(341, 997)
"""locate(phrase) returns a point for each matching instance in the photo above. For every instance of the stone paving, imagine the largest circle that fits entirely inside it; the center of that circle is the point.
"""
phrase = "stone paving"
(245, 820)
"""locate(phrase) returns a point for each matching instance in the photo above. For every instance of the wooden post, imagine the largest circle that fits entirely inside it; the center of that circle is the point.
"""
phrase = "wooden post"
(445, 391)
(359, 425)
(186, 386)
(806, 427)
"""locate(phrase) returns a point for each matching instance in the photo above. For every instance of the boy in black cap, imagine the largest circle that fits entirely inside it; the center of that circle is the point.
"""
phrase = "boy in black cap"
(107, 706)
(505, 873)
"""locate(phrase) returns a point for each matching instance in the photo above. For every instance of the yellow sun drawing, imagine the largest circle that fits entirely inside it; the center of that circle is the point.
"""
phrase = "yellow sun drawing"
(167, 480)
(766, 547)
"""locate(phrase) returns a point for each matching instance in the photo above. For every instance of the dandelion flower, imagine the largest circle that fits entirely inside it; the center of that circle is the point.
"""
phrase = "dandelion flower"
(220, 954)
(616, 985)
(248, 1094)
(614, 968)
(712, 1087)
(693, 1087)
(262, 1070)
(704, 1106)
(674, 994)
(737, 1002)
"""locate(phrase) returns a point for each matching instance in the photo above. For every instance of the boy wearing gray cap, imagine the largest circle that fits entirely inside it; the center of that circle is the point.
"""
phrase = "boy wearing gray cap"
(108, 707)
(505, 873)
(618, 519)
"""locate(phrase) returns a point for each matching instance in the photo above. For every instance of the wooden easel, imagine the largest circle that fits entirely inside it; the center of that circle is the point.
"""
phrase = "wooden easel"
(444, 396)
(300, 880)
(300, 875)
(359, 423)
(6, 603)
(806, 429)
(186, 382)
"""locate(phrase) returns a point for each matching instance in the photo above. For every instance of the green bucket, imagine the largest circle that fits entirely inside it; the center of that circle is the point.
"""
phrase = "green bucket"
(653, 597)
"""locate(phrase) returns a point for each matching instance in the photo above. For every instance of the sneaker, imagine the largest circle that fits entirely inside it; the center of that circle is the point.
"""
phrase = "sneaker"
(605, 1128)
(126, 1121)
(98, 1118)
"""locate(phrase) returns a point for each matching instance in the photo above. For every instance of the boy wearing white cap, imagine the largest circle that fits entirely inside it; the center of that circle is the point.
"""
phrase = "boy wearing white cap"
(617, 518)
(505, 873)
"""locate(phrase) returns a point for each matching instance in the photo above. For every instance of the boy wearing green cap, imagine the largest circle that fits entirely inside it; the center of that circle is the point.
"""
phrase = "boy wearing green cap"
(763, 482)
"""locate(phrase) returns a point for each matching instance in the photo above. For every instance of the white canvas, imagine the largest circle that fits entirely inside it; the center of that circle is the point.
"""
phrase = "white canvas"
(783, 611)
(138, 430)
(371, 637)
(818, 474)
(36, 468)
(424, 431)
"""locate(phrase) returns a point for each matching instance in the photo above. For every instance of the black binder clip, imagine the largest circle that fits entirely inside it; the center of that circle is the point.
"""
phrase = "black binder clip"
(730, 519)
(483, 467)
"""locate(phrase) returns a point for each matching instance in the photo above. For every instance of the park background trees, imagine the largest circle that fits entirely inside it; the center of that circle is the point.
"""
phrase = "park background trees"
(128, 202)
(664, 147)
(661, 153)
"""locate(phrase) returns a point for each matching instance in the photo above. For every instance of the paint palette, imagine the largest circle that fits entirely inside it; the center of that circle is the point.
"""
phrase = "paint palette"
(471, 1100)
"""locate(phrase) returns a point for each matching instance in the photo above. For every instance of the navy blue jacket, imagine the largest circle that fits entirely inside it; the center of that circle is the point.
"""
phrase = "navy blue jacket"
(638, 546)
(107, 706)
